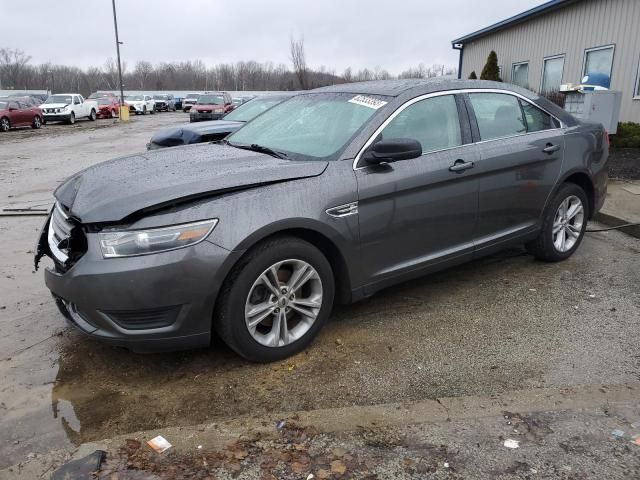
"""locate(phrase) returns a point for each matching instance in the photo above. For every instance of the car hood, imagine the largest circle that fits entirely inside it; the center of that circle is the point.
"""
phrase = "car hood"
(193, 132)
(204, 106)
(113, 190)
(54, 105)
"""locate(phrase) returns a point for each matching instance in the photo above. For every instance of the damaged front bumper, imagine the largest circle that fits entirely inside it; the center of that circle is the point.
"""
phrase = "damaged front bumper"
(158, 302)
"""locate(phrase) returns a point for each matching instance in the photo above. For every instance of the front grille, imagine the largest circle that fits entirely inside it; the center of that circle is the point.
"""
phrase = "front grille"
(66, 240)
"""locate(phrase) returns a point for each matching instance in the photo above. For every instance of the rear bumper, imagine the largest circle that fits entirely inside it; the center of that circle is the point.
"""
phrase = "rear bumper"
(158, 302)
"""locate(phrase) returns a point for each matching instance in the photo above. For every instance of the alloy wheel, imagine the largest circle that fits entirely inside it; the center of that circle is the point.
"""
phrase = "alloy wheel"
(568, 223)
(36, 122)
(283, 303)
(4, 125)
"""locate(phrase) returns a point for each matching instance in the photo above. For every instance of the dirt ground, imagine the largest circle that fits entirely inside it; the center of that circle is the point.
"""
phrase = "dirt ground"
(497, 325)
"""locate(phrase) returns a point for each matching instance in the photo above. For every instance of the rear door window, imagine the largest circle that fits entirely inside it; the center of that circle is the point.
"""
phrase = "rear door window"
(536, 119)
(498, 115)
(433, 122)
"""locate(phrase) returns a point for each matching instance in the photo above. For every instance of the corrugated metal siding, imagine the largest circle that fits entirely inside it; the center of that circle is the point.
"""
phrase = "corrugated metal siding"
(569, 31)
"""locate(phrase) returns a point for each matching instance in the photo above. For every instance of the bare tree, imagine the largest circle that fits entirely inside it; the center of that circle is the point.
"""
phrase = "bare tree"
(299, 61)
(142, 72)
(13, 64)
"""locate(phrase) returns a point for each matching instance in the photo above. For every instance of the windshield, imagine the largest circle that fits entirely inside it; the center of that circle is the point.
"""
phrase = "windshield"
(66, 99)
(250, 110)
(310, 127)
(135, 98)
(159, 97)
(104, 101)
(210, 100)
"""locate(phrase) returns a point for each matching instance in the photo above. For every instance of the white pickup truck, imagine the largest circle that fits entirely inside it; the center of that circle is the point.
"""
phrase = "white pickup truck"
(68, 107)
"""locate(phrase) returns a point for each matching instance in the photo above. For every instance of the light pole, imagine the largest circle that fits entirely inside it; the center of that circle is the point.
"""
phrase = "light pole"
(118, 43)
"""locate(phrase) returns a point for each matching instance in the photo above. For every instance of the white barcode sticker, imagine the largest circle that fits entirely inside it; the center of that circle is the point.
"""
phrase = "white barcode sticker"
(370, 102)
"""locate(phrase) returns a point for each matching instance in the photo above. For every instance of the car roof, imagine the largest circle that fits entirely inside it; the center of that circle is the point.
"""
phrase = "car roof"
(395, 88)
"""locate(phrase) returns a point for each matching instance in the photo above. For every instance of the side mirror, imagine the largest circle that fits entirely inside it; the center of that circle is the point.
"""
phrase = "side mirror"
(393, 150)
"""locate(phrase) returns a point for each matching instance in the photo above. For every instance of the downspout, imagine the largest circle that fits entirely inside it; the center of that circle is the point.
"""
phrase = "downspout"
(460, 48)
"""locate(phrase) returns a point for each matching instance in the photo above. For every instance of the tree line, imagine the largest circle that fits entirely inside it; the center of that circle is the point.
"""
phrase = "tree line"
(17, 72)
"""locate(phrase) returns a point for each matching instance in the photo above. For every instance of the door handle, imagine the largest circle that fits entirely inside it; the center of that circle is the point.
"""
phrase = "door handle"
(550, 148)
(460, 166)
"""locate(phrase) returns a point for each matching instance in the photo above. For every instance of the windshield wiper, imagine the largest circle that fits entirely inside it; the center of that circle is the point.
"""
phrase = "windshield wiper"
(259, 148)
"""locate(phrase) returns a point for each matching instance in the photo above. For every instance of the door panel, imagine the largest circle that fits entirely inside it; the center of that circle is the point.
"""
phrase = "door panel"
(517, 172)
(416, 212)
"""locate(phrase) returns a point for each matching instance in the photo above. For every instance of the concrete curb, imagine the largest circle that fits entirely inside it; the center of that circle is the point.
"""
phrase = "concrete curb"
(613, 221)
(333, 420)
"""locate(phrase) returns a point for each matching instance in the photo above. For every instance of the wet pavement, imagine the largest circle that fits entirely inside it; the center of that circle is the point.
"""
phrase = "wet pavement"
(502, 323)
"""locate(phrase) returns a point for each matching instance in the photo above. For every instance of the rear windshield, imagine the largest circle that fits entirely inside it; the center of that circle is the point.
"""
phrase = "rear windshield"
(210, 100)
(59, 99)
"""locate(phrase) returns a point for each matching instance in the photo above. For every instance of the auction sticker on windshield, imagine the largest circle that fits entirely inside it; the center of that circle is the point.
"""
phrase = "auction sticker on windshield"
(368, 101)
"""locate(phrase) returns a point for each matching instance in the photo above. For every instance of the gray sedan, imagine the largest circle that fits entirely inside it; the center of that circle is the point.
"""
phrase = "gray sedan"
(327, 197)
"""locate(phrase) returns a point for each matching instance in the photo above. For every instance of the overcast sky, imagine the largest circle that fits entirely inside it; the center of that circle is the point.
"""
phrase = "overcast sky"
(338, 33)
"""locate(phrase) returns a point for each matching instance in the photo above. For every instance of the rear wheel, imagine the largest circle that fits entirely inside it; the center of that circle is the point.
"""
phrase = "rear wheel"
(275, 300)
(92, 115)
(37, 122)
(563, 225)
(5, 124)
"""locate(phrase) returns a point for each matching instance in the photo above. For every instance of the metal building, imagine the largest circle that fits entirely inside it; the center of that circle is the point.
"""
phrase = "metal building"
(561, 41)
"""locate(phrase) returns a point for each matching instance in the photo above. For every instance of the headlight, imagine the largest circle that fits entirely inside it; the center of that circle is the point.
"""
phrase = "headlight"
(143, 242)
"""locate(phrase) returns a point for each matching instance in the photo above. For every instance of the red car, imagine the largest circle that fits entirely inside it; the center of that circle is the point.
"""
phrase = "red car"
(211, 106)
(108, 107)
(16, 113)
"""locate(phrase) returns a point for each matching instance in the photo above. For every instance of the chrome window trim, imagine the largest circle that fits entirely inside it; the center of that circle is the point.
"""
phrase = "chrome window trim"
(410, 102)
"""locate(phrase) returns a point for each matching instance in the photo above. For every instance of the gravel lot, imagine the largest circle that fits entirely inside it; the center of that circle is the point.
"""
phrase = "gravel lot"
(496, 325)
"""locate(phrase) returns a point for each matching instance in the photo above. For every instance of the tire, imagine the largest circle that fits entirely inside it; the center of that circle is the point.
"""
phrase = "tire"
(72, 118)
(37, 122)
(550, 246)
(244, 283)
(153, 110)
(144, 110)
(92, 115)
(113, 113)
(5, 124)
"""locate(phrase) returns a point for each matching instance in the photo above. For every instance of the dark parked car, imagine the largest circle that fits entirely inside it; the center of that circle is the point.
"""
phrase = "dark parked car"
(177, 101)
(214, 129)
(17, 113)
(211, 106)
(329, 196)
(164, 103)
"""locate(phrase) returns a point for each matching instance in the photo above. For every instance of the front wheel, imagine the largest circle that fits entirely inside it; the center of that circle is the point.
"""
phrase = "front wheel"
(153, 110)
(275, 300)
(37, 122)
(72, 118)
(113, 113)
(563, 225)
